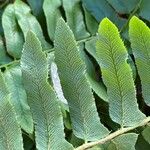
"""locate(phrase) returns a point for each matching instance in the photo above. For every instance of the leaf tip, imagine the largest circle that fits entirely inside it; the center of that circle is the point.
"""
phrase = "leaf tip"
(106, 24)
(134, 19)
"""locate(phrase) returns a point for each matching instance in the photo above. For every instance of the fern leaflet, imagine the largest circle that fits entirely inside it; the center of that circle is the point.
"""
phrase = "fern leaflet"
(10, 132)
(41, 97)
(71, 69)
(117, 76)
(140, 43)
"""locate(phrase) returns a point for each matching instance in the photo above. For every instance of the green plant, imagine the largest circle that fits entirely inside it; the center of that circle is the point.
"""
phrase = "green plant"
(71, 88)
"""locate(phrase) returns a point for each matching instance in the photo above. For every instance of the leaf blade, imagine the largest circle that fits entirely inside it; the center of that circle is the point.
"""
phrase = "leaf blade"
(75, 18)
(140, 43)
(146, 133)
(42, 99)
(124, 142)
(52, 13)
(115, 73)
(13, 35)
(4, 58)
(123, 7)
(28, 22)
(18, 98)
(9, 139)
(71, 69)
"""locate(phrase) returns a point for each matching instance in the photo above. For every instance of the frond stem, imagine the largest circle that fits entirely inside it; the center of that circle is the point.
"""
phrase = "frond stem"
(113, 135)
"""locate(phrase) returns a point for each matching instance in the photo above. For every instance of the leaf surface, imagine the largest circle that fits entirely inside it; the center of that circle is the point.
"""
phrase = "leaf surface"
(140, 43)
(13, 35)
(18, 98)
(10, 132)
(74, 17)
(101, 9)
(146, 133)
(36, 7)
(144, 9)
(49, 129)
(4, 58)
(28, 22)
(117, 76)
(98, 88)
(71, 70)
(123, 7)
(91, 23)
(52, 13)
(123, 142)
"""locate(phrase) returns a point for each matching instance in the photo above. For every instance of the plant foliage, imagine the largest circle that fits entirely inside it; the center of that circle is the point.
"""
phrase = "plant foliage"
(75, 86)
(74, 75)
(116, 72)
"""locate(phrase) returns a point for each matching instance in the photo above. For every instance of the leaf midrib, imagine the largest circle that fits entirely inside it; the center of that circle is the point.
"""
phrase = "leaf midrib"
(116, 73)
(66, 53)
(8, 143)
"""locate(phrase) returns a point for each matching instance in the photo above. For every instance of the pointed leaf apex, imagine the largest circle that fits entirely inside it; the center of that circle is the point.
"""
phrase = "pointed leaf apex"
(134, 19)
(106, 21)
(107, 24)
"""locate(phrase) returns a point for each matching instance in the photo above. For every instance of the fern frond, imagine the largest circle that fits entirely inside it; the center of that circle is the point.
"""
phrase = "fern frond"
(75, 18)
(98, 88)
(52, 13)
(140, 42)
(71, 69)
(10, 132)
(49, 129)
(13, 35)
(28, 22)
(117, 76)
(18, 98)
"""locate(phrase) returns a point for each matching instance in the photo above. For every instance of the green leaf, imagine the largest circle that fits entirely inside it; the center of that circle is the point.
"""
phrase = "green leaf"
(98, 88)
(117, 76)
(10, 132)
(96, 148)
(74, 17)
(18, 98)
(91, 49)
(91, 23)
(144, 9)
(89, 65)
(101, 9)
(1, 29)
(71, 69)
(13, 35)
(140, 43)
(36, 7)
(141, 144)
(52, 13)
(123, 6)
(146, 134)
(123, 142)
(49, 129)
(38, 12)
(28, 22)
(4, 58)
(90, 46)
